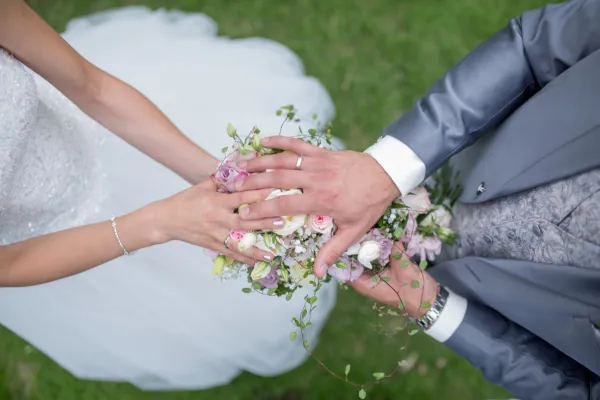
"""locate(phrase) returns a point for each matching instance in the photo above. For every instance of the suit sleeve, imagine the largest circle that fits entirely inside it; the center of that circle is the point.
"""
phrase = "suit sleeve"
(486, 86)
(519, 361)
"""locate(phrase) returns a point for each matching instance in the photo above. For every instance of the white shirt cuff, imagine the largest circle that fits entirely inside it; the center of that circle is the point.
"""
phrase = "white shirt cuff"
(405, 168)
(450, 318)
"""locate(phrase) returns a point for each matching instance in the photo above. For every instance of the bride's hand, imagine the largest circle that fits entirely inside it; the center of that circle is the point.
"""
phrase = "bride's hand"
(202, 216)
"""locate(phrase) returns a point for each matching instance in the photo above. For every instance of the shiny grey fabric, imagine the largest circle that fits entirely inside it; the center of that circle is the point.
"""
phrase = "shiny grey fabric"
(491, 82)
(535, 86)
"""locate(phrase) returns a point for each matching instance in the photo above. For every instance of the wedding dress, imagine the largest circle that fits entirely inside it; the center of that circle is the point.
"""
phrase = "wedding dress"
(158, 319)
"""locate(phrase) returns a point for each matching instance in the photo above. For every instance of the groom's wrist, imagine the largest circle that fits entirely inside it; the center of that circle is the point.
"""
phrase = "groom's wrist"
(403, 165)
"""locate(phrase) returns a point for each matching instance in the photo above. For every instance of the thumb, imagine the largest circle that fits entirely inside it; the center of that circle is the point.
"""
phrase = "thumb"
(332, 250)
(207, 184)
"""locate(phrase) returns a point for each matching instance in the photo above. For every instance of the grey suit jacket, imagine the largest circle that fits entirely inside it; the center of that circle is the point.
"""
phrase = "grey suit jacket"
(536, 85)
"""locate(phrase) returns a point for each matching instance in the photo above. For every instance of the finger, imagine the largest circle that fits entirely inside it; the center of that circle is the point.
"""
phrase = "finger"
(282, 179)
(277, 207)
(238, 257)
(256, 225)
(234, 200)
(207, 184)
(294, 145)
(252, 254)
(283, 161)
(333, 249)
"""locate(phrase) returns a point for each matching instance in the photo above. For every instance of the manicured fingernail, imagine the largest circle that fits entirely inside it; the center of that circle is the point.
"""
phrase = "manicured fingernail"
(278, 222)
(323, 269)
(242, 164)
(264, 141)
(268, 257)
(244, 211)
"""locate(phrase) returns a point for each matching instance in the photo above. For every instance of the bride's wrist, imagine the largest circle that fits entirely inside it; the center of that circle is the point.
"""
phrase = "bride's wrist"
(153, 223)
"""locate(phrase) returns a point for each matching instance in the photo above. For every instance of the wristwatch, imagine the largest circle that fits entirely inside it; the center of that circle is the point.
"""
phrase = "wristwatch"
(432, 315)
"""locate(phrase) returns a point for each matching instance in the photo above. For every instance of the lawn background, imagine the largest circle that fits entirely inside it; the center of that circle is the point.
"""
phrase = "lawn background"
(375, 57)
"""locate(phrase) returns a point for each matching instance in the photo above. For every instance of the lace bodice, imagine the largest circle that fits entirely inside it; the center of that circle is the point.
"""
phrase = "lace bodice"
(49, 177)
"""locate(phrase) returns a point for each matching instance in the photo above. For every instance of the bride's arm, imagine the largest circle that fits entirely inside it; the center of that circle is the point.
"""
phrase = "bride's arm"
(198, 215)
(111, 102)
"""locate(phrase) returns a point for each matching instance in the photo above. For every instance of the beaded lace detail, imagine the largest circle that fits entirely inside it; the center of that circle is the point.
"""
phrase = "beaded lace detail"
(50, 178)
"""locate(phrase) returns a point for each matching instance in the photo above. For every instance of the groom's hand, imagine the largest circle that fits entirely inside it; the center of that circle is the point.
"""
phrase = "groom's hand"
(403, 282)
(348, 186)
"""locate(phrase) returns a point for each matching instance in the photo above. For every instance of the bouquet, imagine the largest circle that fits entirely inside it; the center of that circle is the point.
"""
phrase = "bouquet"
(420, 220)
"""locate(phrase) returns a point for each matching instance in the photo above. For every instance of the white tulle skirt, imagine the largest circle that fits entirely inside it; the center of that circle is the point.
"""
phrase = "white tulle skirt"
(160, 319)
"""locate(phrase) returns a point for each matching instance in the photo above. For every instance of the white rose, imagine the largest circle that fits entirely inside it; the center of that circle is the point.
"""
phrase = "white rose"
(353, 250)
(440, 216)
(247, 241)
(290, 223)
(260, 270)
(369, 251)
(297, 272)
(417, 200)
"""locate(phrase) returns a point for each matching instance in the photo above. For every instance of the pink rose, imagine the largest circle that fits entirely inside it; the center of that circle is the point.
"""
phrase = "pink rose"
(321, 224)
(417, 200)
(237, 235)
(427, 247)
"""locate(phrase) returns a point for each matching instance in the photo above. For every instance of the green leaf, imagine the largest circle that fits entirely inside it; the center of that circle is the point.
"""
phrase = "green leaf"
(415, 284)
(224, 150)
(247, 290)
(397, 255)
(256, 286)
(426, 305)
(312, 132)
(347, 370)
(306, 345)
(304, 312)
(401, 305)
(314, 116)
(402, 363)
(312, 300)
(271, 291)
(293, 335)
(278, 113)
(398, 233)
(289, 107)
(362, 394)
(288, 296)
(375, 278)
(404, 263)
(413, 332)
(379, 375)
(423, 264)
(386, 279)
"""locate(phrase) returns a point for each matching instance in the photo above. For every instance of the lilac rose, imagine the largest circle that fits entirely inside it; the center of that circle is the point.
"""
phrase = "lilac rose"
(351, 272)
(228, 174)
(270, 281)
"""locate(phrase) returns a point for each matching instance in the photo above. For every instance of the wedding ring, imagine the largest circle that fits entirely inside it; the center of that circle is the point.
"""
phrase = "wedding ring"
(227, 241)
(299, 161)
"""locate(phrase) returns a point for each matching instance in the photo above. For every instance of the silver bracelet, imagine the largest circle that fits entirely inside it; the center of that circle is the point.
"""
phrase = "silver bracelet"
(114, 226)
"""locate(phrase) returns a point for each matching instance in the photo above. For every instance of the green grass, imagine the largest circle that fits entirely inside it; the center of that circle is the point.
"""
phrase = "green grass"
(375, 57)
